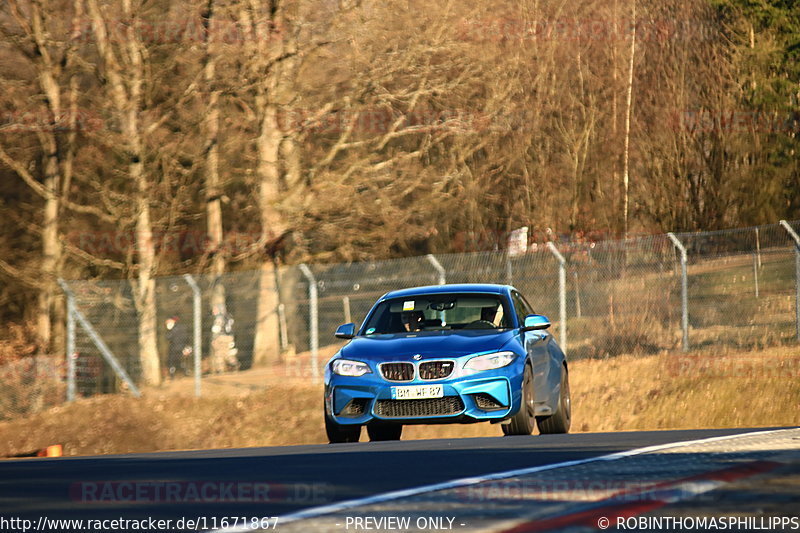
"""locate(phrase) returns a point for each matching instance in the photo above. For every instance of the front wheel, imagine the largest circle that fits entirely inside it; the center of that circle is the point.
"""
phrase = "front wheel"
(522, 423)
(383, 431)
(560, 421)
(341, 433)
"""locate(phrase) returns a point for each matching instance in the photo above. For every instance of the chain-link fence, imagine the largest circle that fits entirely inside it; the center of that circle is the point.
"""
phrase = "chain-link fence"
(222, 309)
(728, 289)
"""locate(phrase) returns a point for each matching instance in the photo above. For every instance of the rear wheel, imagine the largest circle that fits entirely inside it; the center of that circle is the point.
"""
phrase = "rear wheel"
(522, 423)
(384, 431)
(560, 421)
(341, 433)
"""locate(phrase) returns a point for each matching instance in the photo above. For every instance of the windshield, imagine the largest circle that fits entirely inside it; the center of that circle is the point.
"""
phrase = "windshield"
(438, 312)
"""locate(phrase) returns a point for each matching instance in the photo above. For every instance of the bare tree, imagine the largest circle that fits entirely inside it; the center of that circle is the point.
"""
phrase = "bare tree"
(56, 129)
(628, 109)
(213, 186)
(123, 67)
(262, 24)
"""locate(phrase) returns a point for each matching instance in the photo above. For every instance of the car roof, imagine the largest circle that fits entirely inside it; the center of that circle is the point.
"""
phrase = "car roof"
(451, 288)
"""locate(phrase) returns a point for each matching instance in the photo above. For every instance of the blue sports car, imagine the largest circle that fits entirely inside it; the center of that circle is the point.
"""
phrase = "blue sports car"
(447, 354)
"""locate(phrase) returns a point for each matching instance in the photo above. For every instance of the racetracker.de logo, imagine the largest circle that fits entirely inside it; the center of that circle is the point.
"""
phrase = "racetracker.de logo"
(381, 121)
(196, 492)
(577, 490)
(184, 243)
(23, 121)
(598, 29)
(734, 366)
(735, 121)
(180, 31)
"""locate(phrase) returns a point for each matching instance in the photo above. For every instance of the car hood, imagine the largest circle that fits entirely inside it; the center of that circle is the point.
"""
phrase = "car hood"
(429, 344)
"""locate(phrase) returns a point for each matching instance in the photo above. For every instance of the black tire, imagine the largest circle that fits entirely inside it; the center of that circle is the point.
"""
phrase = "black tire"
(341, 433)
(523, 422)
(384, 431)
(560, 421)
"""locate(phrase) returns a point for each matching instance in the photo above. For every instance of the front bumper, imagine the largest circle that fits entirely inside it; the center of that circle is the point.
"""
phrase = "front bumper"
(485, 396)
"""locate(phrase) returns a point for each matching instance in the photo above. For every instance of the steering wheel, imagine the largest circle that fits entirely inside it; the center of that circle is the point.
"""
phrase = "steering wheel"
(480, 324)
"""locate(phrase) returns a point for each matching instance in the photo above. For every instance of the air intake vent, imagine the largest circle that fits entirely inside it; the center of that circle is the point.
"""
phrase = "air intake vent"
(355, 408)
(436, 369)
(487, 402)
(449, 405)
(397, 371)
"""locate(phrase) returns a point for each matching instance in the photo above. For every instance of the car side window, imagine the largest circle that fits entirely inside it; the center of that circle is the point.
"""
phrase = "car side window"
(528, 308)
(520, 307)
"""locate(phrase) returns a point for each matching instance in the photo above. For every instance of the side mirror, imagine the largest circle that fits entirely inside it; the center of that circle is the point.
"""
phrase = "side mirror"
(535, 322)
(346, 331)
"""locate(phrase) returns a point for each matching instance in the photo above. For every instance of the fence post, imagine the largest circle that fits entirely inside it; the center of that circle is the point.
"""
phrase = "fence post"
(755, 273)
(70, 341)
(562, 293)
(312, 318)
(198, 328)
(796, 238)
(108, 355)
(283, 329)
(439, 268)
(346, 309)
(684, 290)
(758, 247)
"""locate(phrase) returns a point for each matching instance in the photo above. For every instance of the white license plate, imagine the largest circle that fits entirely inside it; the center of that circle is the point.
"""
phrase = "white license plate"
(416, 392)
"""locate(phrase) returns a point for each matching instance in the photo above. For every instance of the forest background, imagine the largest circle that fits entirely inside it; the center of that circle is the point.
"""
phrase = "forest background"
(141, 138)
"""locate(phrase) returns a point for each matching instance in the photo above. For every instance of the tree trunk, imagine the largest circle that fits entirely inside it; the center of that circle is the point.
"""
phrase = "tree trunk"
(67, 157)
(145, 249)
(625, 152)
(145, 246)
(51, 245)
(125, 83)
(264, 66)
(213, 185)
(51, 251)
(266, 345)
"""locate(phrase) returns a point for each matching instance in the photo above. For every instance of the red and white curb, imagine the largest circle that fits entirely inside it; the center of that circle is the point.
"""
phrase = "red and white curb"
(627, 504)
(670, 492)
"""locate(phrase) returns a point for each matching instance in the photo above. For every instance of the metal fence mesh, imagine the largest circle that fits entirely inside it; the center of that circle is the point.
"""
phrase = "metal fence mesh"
(108, 305)
(741, 287)
(621, 297)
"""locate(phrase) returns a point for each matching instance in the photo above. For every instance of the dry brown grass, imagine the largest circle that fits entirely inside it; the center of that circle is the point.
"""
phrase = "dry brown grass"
(676, 391)
(703, 390)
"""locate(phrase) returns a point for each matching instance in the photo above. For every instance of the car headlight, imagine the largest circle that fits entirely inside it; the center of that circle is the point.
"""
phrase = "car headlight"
(490, 361)
(346, 367)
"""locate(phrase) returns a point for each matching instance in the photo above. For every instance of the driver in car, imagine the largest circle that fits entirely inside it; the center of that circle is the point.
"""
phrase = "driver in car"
(489, 314)
(412, 320)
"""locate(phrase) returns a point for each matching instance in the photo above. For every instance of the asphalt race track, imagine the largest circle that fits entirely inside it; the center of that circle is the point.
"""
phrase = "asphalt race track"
(259, 482)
